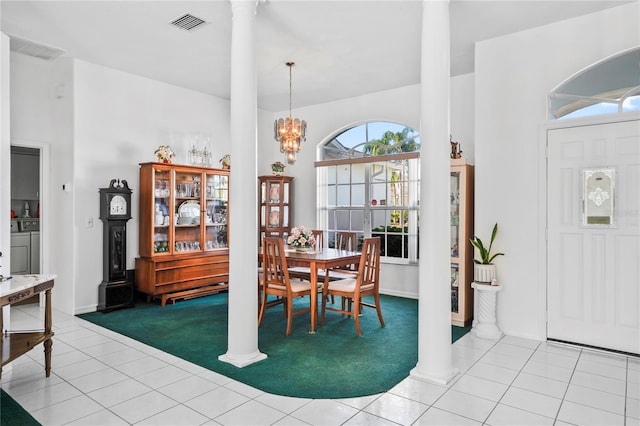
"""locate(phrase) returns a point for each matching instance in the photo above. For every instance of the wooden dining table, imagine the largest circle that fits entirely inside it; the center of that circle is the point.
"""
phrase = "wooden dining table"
(323, 259)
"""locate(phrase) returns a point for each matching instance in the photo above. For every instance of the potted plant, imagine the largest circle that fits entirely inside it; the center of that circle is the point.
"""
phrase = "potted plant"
(277, 168)
(484, 270)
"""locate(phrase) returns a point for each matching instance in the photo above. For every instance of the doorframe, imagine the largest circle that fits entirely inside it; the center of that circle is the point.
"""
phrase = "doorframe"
(543, 191)
(45, 201)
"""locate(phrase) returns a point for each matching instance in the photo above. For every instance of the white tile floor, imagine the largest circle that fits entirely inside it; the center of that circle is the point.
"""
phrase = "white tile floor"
(100, 377)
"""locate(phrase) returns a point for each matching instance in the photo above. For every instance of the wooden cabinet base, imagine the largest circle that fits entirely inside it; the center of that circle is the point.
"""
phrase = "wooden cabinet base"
(192, 294)
(172, 278)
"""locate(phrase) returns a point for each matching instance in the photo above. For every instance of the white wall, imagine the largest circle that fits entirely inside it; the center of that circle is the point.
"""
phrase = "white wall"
(101, 124)
(119, 121)
(513, 75)
(31, 100)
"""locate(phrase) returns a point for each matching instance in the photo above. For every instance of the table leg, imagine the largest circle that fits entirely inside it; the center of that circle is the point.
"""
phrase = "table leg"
(314, 295)
(47, 329)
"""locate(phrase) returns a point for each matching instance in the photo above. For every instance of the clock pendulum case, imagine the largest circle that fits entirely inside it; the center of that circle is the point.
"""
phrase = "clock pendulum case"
(115, 291)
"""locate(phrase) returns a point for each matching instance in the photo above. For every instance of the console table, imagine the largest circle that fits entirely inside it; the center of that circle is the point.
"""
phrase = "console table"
(16, 343)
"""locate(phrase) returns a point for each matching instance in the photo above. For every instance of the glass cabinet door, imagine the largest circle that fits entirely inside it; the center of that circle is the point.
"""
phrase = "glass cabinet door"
(187, 212)
(455, 213)
(217, 201)
(161, 217)
(455, 240)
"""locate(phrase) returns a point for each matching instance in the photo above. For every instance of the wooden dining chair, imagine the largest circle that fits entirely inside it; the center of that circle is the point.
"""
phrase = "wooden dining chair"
(276, 281)
(272, 302)
(365, 283)
(345, 240)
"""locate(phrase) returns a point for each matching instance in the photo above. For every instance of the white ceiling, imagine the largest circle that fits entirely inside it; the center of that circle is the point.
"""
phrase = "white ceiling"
(341, 48)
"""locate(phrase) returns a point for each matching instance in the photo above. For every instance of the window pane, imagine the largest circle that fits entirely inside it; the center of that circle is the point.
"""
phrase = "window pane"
(632, 103)
(331, 175)
(379, 193)
(344, 173)
(331, 219)
(371, 139)
(395, 194)
(343, 195)
(352, 137)
(357, 194)
(378, 220)
(342, 220)
(357, 220)
(357, 173)
(377, 172)
(376, 130)
(331, 195)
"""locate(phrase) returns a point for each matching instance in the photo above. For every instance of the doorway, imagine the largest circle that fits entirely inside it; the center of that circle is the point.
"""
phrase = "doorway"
(593, 244)
(25, 213)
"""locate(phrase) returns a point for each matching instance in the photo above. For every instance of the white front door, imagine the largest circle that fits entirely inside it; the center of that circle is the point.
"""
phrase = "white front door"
(593, 247)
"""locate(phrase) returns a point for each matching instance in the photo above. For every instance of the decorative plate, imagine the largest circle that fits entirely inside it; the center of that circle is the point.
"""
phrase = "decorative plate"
(189, 208)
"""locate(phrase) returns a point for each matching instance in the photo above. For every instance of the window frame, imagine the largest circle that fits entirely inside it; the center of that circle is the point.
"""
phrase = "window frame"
(409, 204)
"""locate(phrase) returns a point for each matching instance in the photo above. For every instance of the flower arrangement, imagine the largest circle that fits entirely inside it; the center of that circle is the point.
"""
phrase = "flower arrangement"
(277, 168)
(164, 154)
(301, 237)
(226, 161)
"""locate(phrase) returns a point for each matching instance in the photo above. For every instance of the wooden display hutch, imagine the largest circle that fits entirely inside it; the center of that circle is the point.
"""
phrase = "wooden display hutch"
(461, 248)
(275, 211)
(183, 241)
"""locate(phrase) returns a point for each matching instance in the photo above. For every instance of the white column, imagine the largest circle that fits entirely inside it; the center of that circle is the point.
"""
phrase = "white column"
(434, 306)
(243, 218)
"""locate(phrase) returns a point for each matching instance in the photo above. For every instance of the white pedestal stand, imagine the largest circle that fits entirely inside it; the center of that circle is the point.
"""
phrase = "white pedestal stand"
(485, 296)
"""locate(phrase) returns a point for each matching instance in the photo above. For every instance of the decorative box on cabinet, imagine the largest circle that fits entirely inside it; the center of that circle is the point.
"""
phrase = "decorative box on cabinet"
(183, 242)
(275, 208)
(461, 248)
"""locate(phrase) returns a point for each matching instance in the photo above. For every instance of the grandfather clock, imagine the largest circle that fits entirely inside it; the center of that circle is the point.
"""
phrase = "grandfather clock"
(115, 291)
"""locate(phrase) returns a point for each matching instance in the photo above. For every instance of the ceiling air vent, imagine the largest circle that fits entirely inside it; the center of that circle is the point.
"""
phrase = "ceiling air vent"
(187, 22)
(37, 50)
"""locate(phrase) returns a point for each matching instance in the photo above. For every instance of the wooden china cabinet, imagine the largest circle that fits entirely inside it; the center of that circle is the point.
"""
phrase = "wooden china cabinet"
(461, 208)
(183, 231)
(275, 208)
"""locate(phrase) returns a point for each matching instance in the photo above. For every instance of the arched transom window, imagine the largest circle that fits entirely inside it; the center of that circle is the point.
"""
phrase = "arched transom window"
(608, 87)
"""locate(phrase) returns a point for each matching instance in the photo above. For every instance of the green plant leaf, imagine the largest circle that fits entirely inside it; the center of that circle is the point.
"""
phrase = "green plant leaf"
(485, 252)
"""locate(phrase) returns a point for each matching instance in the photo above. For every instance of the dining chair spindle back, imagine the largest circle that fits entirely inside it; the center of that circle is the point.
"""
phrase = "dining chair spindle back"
(276, 281)
(365, 283)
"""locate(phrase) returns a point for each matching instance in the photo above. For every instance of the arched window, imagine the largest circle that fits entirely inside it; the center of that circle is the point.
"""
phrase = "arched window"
(370, 185)
(608, 87)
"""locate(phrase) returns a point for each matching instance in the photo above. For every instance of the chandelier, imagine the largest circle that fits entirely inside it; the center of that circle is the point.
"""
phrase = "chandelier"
(290, 132)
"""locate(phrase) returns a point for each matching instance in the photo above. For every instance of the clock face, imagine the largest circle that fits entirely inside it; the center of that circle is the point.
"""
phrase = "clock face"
(118, 205)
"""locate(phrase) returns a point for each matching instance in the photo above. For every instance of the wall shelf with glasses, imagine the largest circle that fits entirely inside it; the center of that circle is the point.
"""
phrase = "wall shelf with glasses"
(461, 224)
(183, 231)
(275, 207)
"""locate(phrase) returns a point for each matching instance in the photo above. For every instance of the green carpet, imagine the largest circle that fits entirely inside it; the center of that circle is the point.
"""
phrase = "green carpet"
(332, 363)
(11, 413)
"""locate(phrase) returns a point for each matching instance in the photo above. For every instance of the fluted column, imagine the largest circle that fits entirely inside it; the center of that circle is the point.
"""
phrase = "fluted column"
(243, 223)
(434, 305)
